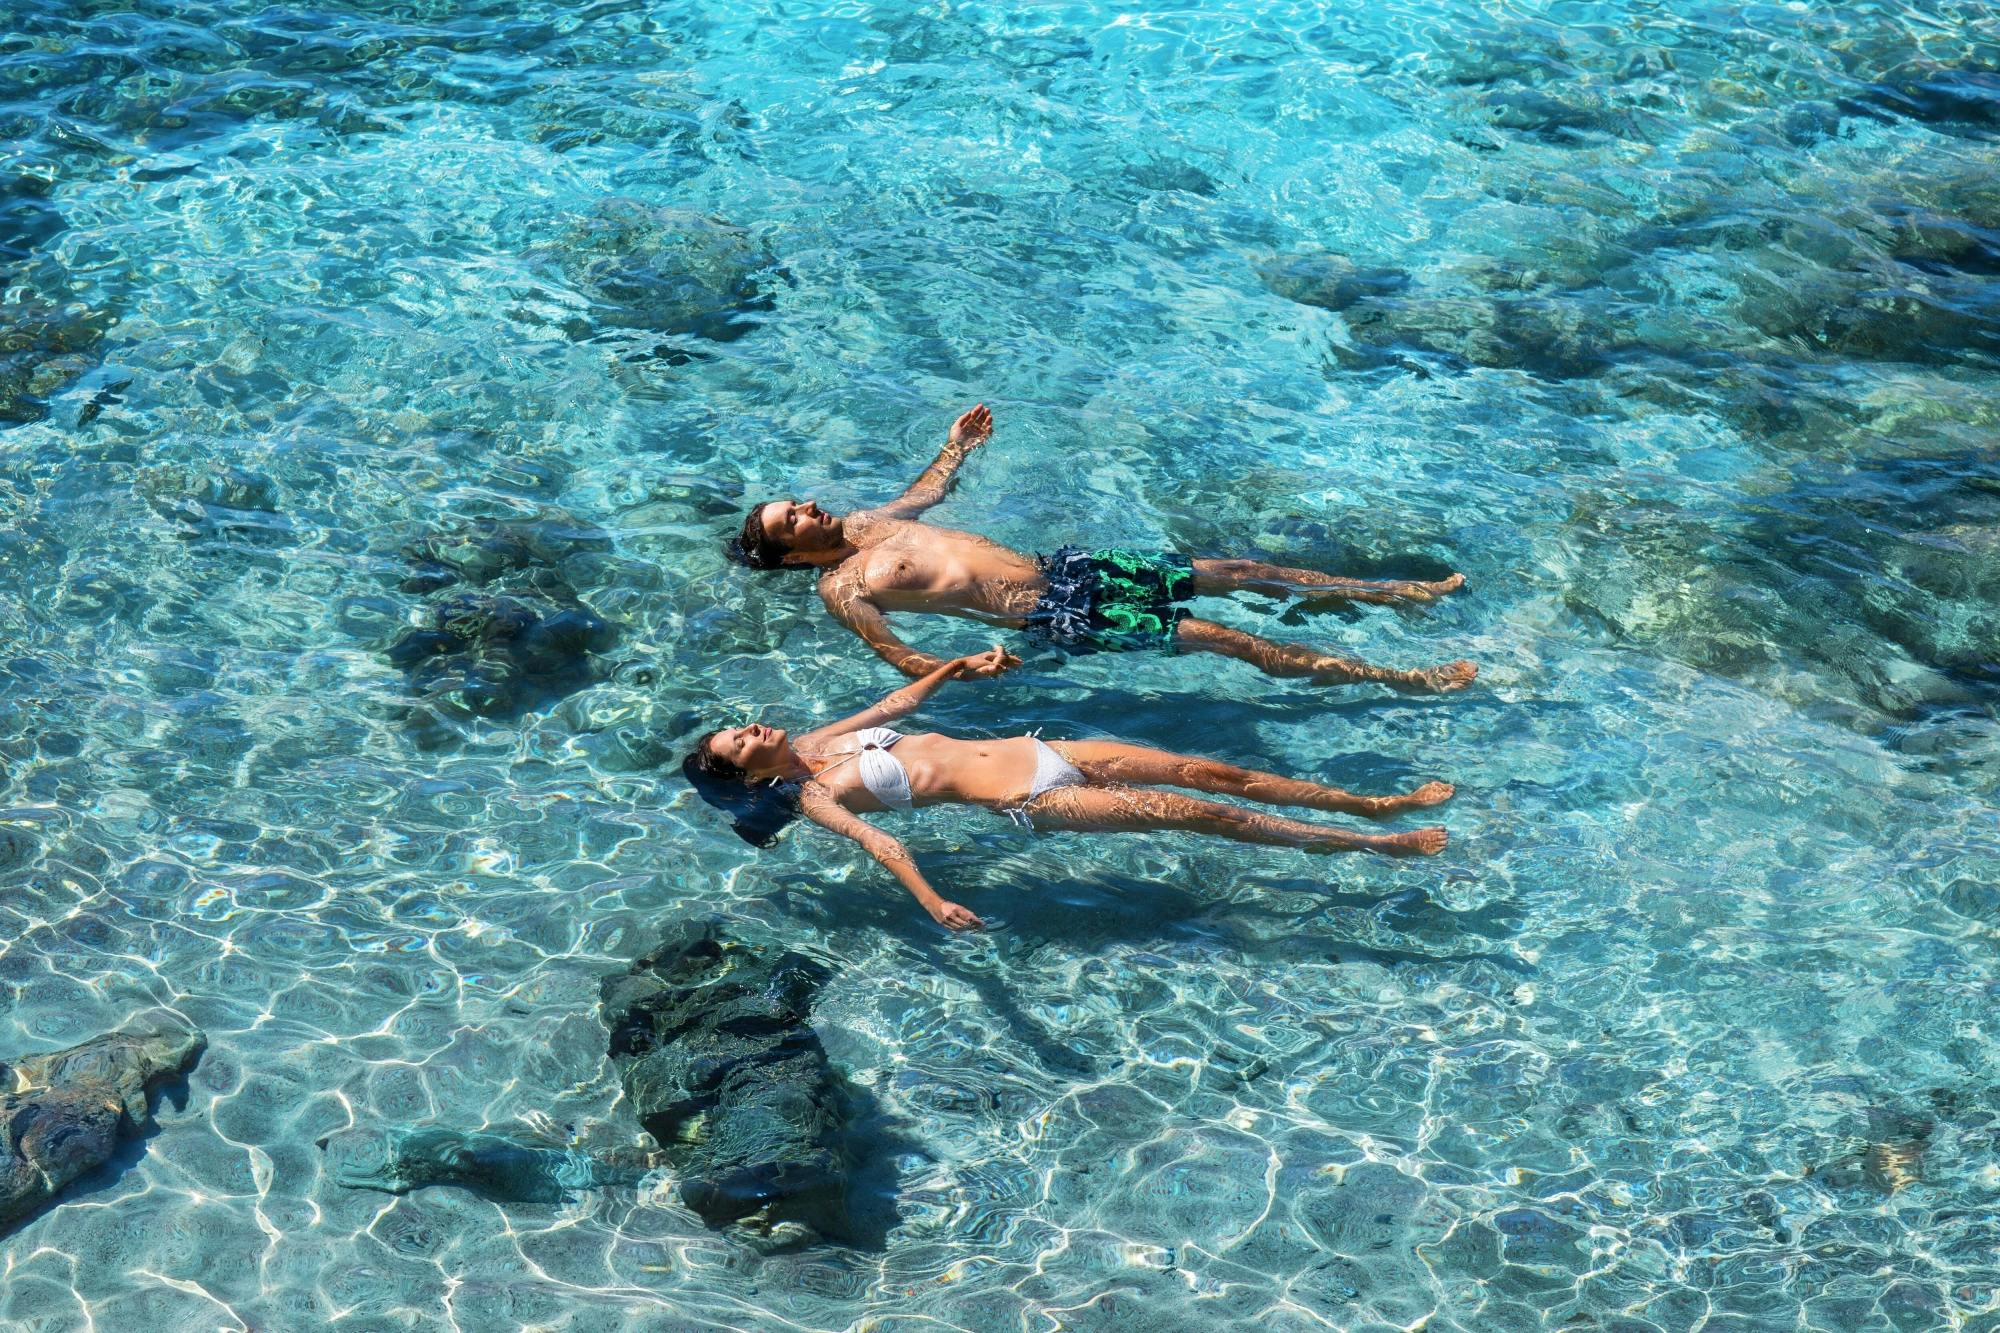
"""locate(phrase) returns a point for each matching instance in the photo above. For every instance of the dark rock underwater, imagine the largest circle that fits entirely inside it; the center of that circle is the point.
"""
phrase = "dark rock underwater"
(713, 1043)
(501, 629)
(714, 1046)
(64, 1113)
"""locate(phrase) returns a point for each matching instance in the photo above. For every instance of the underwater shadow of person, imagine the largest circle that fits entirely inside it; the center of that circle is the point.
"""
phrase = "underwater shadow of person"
(1106, 908)
(838, 908)
(1094, 912)
(1217, 725)
(876, 1144)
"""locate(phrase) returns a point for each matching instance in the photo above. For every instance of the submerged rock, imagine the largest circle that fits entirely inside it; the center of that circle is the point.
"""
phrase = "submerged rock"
(508, 1170)
(1851, 584)
(489, 654)
(44, 344)
(483, 550)
(1959, 100)
(1329, 281)
(665, 271)
(66, 1111)
(712, 1043)
(28, 220)
(1558, 120)
(511, 634)
(47, 336)
(1556, 338)
(221, 499)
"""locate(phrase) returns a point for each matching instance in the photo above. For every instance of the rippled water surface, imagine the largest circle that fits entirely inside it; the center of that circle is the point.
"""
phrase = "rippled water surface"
(1674, 325)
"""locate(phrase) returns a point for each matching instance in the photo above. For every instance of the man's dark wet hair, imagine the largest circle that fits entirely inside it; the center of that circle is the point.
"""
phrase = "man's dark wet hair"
(758, 812)
(754, 547)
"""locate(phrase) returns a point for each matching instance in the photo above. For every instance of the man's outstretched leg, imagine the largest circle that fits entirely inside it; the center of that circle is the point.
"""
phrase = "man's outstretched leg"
(1296, 660)
(1219, 577)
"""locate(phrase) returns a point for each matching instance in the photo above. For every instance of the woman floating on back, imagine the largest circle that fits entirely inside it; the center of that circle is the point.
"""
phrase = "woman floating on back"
(835, 774)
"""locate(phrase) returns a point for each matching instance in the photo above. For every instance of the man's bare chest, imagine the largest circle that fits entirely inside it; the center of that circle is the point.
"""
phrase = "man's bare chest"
(895, 569)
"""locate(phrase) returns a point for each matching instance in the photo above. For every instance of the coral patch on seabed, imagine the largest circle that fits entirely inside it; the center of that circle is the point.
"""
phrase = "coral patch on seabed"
(65, 1112)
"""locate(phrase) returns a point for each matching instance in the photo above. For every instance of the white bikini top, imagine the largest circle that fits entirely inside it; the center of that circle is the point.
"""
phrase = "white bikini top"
(881, 772)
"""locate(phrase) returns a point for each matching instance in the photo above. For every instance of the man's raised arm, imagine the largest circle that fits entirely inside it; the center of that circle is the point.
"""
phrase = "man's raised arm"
(971, 430)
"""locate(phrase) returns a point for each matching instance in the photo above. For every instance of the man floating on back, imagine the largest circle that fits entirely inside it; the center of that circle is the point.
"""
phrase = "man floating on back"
(876, 562)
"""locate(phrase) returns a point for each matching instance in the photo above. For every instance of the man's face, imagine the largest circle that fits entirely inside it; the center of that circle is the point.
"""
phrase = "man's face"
(800, 528)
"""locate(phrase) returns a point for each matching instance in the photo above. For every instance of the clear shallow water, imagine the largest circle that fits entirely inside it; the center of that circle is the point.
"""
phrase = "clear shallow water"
(1671, 325)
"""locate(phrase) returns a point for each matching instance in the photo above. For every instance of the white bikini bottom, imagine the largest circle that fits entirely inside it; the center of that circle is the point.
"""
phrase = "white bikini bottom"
(1052, 773)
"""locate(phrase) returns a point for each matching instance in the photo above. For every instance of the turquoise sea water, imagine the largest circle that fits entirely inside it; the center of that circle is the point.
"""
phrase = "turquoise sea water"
(1673, 325)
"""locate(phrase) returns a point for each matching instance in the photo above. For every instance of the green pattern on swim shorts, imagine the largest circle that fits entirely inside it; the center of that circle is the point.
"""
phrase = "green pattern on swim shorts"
(1136, 591)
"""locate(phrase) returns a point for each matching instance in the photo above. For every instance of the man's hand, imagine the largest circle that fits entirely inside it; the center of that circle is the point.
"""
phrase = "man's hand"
(934, 483)
(971, 430)
(986, 665)
(953, 917)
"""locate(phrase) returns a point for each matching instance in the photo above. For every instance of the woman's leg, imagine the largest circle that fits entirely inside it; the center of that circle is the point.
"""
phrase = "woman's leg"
(1134, 810)
(1215, 577)
(1114, 763)
(1290, 659)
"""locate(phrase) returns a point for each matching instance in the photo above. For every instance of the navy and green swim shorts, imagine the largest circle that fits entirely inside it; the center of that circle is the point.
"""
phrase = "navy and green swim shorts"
(1111, 600)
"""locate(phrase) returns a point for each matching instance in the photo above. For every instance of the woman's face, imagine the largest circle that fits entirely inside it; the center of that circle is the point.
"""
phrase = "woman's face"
(757, 749)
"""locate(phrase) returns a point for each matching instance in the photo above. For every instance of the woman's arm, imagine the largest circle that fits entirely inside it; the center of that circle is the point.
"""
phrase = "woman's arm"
(905, 701)
(819, 806)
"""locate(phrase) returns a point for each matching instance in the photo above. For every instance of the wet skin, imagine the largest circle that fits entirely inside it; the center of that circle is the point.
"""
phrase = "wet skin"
(881, 561)
(943, 770)
(1118, 793)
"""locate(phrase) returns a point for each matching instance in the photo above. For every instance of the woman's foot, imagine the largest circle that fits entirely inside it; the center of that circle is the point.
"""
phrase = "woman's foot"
(1417, 842)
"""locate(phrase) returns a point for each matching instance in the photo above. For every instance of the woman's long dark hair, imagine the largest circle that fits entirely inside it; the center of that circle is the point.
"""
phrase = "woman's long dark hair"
(758, 811)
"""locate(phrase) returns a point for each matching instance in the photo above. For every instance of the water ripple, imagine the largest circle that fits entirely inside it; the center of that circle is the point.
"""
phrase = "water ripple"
(1672, 326)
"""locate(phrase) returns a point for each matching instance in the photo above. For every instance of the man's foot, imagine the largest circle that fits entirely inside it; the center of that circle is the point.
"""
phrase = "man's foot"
(1430, 592)
(1395, 592)
(1431, 793)
(1417, 842)
(1435, 680)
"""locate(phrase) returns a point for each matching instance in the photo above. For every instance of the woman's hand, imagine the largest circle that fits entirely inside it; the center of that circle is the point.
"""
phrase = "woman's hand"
(953, 917)
(986, 665)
